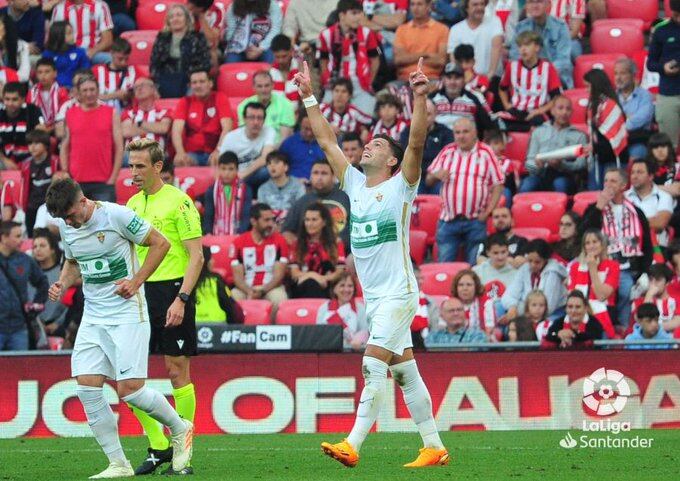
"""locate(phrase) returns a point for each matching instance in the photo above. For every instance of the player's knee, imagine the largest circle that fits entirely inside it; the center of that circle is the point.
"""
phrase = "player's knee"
(129, 386)
(405, 374)
(178, 371)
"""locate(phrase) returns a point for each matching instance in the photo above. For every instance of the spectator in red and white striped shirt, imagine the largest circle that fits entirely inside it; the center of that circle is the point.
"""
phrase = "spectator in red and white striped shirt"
(47, 94)
(116, 78)
(343, 116)
(145, 119)
(464, 55)
(284, 68)
(92, 26)
(472, 183)
(209, 18)
(573, 12)
(389, 120)
(529, 85)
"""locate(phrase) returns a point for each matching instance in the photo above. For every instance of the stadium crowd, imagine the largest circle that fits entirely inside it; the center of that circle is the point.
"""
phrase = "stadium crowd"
(510, 241)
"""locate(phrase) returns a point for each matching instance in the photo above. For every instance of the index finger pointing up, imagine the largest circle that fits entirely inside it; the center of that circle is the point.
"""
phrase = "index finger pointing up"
(420, 64)
(305, 68)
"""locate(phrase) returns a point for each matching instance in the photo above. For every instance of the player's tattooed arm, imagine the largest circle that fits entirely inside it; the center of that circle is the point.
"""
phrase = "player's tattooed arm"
(413, 156)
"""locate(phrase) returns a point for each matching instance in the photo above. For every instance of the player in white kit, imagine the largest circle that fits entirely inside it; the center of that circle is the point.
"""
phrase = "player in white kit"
(113, 338)
(380, 203)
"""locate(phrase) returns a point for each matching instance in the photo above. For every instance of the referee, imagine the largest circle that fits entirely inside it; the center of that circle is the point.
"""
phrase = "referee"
(172, 308)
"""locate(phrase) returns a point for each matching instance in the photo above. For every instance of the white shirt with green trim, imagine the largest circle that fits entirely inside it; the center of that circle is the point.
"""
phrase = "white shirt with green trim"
(104, 248)
(379, 232)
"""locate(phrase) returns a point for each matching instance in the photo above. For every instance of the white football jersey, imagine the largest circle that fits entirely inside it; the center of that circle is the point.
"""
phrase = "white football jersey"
(104, 248)
(380, 217)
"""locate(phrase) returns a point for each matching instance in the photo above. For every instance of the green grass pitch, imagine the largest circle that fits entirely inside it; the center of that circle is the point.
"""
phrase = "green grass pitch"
(515, 455)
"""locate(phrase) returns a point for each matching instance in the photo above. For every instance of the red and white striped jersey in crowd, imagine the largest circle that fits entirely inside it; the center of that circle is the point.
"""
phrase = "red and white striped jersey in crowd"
(480, 313)
(479, 83)
(351, 120)
(394, 131)
(111, 81)
(405, 96)
(568, 9)
(215, 16)
(49, 101)
(542, 328)
(668, 308)
(611, 123)
(136, 115)
(422, 318)
(258, 260)
(286, 86)
(7, 75)
(530, 87)
(88, 20)
(472, 175)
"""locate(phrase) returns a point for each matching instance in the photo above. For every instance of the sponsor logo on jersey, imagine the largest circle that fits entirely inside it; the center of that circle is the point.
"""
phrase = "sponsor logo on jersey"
(134, 225)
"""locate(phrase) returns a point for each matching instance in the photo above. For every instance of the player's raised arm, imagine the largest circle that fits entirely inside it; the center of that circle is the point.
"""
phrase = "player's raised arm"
(322, 130)
(413, 156)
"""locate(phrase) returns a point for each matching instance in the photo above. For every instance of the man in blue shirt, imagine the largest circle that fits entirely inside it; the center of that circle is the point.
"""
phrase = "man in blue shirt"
(555, 35)
(457, 329)
(638, 105)
(664, 58)
(302, 148)
(30, 23)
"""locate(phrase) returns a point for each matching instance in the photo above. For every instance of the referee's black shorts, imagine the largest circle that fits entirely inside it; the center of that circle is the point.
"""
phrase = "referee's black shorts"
(170, 341)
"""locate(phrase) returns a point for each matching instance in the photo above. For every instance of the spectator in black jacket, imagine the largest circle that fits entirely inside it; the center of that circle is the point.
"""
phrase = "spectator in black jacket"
(577, 329)
(628, 235)
(17, 270)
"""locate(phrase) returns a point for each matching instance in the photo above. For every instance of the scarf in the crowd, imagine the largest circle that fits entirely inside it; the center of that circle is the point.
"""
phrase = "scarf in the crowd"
(345, 315)
(421, 320)
(49, 112)
(542, 328)
(480, 313)
(625, 239)
(228, 212)
(610, 121)
(249, 30)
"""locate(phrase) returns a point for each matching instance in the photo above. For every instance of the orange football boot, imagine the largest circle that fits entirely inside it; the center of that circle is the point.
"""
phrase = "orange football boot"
(342, 452)
(430, 457)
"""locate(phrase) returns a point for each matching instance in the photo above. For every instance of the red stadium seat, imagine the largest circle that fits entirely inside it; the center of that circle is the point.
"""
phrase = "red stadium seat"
(579, 104)
(418, 242)
(169, 104)
(195, 180)
(298, 311)
(531, 233)
(124, 187)
(539, 212)
(142, 43)
(236, 79)
(256, 311)
(425, 217)
(667, 8)
(552, 197)
(221, 249)
(617, 37)
(583, 199)
(584, 63)
(517, 146)
(150, 15)
(640, 58)
(645, 10)
(437, 277)
(13, 176)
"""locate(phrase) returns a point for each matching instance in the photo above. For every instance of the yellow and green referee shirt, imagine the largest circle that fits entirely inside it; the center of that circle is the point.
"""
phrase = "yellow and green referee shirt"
(173, 214)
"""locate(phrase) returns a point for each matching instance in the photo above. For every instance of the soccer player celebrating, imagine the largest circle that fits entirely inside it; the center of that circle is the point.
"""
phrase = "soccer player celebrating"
(381, 207)
(172, 308)
(113, 339)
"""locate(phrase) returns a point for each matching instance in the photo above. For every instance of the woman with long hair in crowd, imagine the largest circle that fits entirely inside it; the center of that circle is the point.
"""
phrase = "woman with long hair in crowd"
(661, 153)
(577, 329)
(479, 309)
(14, 52)
(317, 257)
(569, 245)
(213, 298)
(607, 125)
(60, 47)
(251, 26)
(47, 254)
(344, 309)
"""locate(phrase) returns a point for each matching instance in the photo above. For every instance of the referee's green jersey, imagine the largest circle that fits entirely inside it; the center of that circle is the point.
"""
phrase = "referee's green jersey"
(173, 213)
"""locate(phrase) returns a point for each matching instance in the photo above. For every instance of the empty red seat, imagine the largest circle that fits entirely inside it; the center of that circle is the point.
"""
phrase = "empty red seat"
(150, 15)
(579, 104)
(552, 197)
(142, 43)
(124, 187)
(256, 311)
(425, 217)
(583, 199)
(298, 311)
(539, 212)
(645, 10)
(236, 79)
(617, 37)
(531, 233)
(195, 180)
(437, 277)
(517, 146)
(603, 61)
(221, 249)
(418, 242)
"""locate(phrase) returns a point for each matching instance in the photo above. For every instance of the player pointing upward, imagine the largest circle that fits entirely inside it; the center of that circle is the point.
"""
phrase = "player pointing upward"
(380, 218)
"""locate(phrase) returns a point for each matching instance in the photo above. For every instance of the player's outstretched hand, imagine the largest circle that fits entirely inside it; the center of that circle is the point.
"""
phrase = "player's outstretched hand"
(303, 80)
(55, 291)
(126, 288)
(420, 84)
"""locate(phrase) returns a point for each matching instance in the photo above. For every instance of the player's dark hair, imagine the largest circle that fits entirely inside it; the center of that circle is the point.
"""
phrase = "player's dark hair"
(280, 42)
(147, 145)
(647, 310)
(227, 158)
(45, 62)
(277, 155)
(254, 106)
(395, 147)
(659, 272)
(343, 82)
(540, 247)
(120, 45)
(464, 52)
(649, 164)
(257, 209)
(496, 239)
(345, 6)
(38, 136)
(14, 88)
(328, 236)
(6, 227)
(61, 196)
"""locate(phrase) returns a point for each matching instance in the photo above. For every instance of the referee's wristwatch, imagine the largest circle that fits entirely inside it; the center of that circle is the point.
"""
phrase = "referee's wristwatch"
(184, 297)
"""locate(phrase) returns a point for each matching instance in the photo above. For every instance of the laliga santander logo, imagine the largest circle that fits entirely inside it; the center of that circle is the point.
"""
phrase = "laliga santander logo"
(605, 392)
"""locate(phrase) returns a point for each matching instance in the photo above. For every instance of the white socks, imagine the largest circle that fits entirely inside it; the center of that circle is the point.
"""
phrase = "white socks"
(102, 421)
(155, 405)
(418, 401)
(375, 381)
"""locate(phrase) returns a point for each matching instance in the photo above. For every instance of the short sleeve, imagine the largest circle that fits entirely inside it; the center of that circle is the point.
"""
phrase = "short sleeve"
(351, 179)
(496, 175)
(665, 202)
(237, 257)
(128, 224)
(554, 82)
(410, 191)
(187, 219)
(613, 274)
(181, 109)
(282, 249)
(105, 21)
(438, 162)
(505, 80)
(223, 108)
(269, 136)
(67, 250)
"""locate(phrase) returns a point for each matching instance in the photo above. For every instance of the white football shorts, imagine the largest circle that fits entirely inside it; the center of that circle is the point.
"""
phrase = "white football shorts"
(390, 321)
